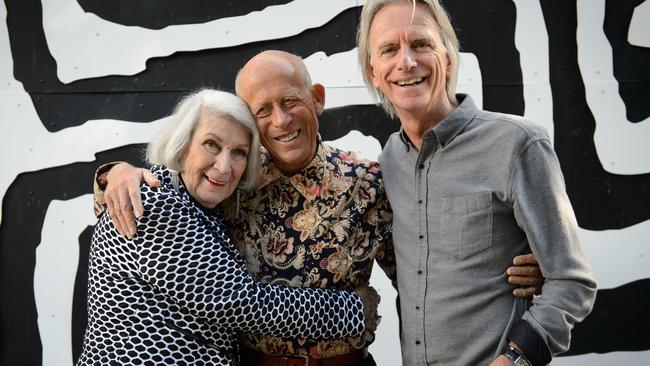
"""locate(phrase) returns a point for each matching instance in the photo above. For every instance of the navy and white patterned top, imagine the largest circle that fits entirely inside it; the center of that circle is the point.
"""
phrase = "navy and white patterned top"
(178, 292)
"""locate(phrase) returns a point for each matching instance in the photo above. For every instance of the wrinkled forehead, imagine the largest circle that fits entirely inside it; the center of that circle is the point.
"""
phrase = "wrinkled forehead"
(398, 20)
(223, 128)
(276, 90)
(271, 80)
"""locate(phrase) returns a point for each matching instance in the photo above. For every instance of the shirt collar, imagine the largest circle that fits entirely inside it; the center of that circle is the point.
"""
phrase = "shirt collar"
(450, 126)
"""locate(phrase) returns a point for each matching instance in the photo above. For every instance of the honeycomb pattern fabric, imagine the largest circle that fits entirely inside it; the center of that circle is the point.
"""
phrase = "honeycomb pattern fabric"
(178, 292)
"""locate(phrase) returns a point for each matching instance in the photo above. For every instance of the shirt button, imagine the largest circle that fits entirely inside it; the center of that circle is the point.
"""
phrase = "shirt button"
(421, 166)
(417, 308)
(417, 342)
(420, 272)
(420, 201)
(421, 236)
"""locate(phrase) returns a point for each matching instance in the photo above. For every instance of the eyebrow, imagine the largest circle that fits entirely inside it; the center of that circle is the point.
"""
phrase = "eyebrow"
(255, 109)
(220, 139)
(385, 44)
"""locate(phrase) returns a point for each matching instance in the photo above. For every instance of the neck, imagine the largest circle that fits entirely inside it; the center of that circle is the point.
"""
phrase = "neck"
(417, 124)
(289, 170)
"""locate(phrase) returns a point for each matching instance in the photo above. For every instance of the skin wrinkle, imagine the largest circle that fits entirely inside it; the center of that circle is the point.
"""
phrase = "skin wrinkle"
(405, 50)
(288, 104)
(217, 151)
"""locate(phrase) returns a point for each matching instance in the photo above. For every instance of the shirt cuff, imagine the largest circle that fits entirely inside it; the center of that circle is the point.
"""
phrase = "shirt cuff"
(530, 342)
(99, 185)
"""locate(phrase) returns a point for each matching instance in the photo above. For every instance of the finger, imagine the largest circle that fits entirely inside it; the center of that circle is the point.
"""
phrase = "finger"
(113, 214)
(136, 201)
(525, 291)
(525, 280)
(524, 271)
(129, 219)
(124, 211)
(150, 178)
(524, 259)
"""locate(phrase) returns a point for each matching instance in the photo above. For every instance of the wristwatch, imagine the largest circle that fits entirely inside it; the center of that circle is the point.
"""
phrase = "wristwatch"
(516, 356)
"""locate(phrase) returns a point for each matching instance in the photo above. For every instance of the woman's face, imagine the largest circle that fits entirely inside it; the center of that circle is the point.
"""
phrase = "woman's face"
(215, 159)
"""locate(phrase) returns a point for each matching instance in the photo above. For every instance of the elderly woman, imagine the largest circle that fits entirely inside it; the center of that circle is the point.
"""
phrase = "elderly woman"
(178, 291)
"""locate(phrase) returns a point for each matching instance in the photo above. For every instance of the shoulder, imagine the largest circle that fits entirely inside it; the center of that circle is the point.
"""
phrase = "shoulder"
(394, 139)
(165, 195)
(166, 206)
(509, 126)
(347, 163)
(393, 148)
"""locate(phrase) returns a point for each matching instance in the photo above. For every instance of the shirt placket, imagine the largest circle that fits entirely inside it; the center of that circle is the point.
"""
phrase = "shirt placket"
(422, 168)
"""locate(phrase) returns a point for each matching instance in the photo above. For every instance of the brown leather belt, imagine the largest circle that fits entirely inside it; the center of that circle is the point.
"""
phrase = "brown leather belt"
(342, 360)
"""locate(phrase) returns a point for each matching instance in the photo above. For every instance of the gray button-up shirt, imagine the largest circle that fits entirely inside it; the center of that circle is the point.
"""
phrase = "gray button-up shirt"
(483, 188)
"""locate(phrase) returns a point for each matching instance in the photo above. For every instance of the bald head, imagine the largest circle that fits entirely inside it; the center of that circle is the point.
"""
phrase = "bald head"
(271, 61)
(278, 90)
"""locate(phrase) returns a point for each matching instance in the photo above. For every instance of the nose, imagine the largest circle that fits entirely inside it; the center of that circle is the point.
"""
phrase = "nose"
(223, 162)
(280, 117)
(406, 59)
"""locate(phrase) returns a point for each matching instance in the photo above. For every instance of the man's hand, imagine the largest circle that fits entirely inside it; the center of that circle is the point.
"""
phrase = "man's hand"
(370, 299)
(525, 272)
(502, 361)
(122, 196)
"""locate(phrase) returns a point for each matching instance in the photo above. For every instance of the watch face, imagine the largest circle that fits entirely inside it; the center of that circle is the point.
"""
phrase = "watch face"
(522, 362)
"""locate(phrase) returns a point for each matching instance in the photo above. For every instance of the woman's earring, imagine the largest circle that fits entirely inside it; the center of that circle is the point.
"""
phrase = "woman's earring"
(237, 209)
(175, 180)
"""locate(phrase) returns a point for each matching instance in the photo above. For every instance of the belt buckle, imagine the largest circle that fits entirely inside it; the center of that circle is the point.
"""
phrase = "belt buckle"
(294, 359)
(306, 357)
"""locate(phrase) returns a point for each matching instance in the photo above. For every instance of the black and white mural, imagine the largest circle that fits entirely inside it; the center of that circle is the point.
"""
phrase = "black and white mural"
(84, 82)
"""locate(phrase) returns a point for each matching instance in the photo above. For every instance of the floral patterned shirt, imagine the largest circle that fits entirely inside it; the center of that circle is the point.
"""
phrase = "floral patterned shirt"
(323, 227)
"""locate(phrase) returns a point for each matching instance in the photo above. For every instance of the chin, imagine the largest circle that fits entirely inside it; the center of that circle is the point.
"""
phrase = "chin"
(210, 202)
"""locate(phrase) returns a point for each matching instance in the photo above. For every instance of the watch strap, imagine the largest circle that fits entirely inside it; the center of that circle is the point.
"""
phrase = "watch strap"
(516, 356)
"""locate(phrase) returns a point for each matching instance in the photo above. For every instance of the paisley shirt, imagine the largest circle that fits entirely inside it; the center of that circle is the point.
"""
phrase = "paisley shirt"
(323, 227)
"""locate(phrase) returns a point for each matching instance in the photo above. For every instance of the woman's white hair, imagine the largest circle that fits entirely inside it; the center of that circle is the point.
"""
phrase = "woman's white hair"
(445, 30)
(168, 147)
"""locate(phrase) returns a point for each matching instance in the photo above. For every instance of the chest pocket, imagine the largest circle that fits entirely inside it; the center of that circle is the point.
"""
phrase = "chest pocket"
(466, 224)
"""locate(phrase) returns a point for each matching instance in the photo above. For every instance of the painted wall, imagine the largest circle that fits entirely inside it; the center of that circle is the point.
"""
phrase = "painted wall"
(89, 81)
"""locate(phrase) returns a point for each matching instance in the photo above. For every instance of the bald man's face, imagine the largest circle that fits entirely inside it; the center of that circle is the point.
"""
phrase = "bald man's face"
(286, 111)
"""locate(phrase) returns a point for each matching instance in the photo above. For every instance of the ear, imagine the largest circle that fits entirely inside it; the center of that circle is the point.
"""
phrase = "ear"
(371, 74)
(449, 70)
(318, 94)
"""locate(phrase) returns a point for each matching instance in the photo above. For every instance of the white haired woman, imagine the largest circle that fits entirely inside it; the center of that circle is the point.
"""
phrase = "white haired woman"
(178, 292)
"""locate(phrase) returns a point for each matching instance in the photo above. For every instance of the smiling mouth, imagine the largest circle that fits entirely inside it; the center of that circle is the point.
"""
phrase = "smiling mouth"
(215, 182)
(409, 82)
(289, 137)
